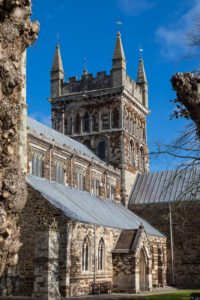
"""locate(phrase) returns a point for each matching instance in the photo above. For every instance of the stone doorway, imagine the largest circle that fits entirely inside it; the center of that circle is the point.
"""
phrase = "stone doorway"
(143, 271)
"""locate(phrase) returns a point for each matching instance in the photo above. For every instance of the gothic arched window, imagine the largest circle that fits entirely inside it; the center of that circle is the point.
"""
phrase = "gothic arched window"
(101, 149)
(86, 122)
(85, 254)
(59, 172)
(115, 118)
(95, 121)
(142, 159)
(137, 155)
(101, 254)
(77, 123)
(131, 152)
(38, 164)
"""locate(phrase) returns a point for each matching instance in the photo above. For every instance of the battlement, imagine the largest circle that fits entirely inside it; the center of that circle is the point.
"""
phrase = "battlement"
(86, 82)
(102, 80)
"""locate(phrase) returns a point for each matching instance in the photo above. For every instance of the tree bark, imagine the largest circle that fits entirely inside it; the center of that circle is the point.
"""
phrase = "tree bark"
(187, 87)
(17, 32)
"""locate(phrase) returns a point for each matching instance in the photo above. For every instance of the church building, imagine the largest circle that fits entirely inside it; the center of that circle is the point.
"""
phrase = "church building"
(87, 176)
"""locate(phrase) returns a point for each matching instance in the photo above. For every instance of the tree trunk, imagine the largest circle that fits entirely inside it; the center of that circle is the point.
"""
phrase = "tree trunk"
(16, 34)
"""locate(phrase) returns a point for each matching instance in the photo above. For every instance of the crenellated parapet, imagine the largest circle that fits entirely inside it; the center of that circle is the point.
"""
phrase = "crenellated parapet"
(86, 82)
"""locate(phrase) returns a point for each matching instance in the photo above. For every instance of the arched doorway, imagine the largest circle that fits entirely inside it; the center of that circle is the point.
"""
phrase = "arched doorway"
(143, 271)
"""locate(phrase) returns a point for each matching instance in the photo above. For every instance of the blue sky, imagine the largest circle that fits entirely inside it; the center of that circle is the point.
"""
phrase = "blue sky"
(87, 28)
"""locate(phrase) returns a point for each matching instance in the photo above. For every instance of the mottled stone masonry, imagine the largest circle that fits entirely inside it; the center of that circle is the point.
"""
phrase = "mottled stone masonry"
(39, 218)
(131, 272)
(186, 233)
(16, 34)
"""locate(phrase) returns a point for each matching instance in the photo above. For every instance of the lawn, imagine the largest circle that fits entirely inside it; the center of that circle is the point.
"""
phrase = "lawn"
(179, 295)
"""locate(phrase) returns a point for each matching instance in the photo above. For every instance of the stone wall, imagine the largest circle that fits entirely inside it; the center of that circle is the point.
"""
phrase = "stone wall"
(39, 220)
(186, 233)
(16, 34)
(124, 272)
(82, 281)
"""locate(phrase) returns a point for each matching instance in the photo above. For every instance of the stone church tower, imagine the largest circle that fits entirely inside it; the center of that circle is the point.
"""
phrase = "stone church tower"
(107, 113)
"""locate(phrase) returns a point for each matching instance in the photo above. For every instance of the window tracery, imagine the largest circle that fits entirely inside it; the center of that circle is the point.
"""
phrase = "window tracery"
(85, 254)
(37, 162)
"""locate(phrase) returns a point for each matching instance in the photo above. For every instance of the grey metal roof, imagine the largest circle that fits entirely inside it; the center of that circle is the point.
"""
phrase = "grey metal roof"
(61, 139)
(85, 208)
(168, 186)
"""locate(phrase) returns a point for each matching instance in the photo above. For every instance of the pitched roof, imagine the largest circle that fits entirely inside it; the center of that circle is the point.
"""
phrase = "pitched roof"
(38, 128)
(85, 208)
(164, 187)
(126, 239)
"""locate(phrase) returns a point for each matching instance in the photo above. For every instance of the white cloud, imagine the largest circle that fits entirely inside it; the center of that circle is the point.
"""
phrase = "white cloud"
(174, 36)
(42, 118)
(135, 7)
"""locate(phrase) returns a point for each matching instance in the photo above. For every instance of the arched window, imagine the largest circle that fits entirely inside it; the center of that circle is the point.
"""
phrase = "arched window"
(137, 155)
(59, 172)
(77, 123)
(115, 118)
(131, 153)
(86, 122)
(85, 255)
(101, 150)
(71, 125)
(38, 164)
(141, 159)
(95, 121)
(101, 254)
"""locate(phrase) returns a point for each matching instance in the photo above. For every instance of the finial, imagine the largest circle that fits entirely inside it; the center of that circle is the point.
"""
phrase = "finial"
(140, 51)
(118, 22)
(85, 72)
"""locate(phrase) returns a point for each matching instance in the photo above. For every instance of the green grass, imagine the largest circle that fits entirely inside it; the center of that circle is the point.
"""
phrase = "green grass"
(179, 295)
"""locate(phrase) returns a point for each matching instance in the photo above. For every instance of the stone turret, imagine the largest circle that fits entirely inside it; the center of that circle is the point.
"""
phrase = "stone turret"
(57, 74)
(119, 63)
(142, 82)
